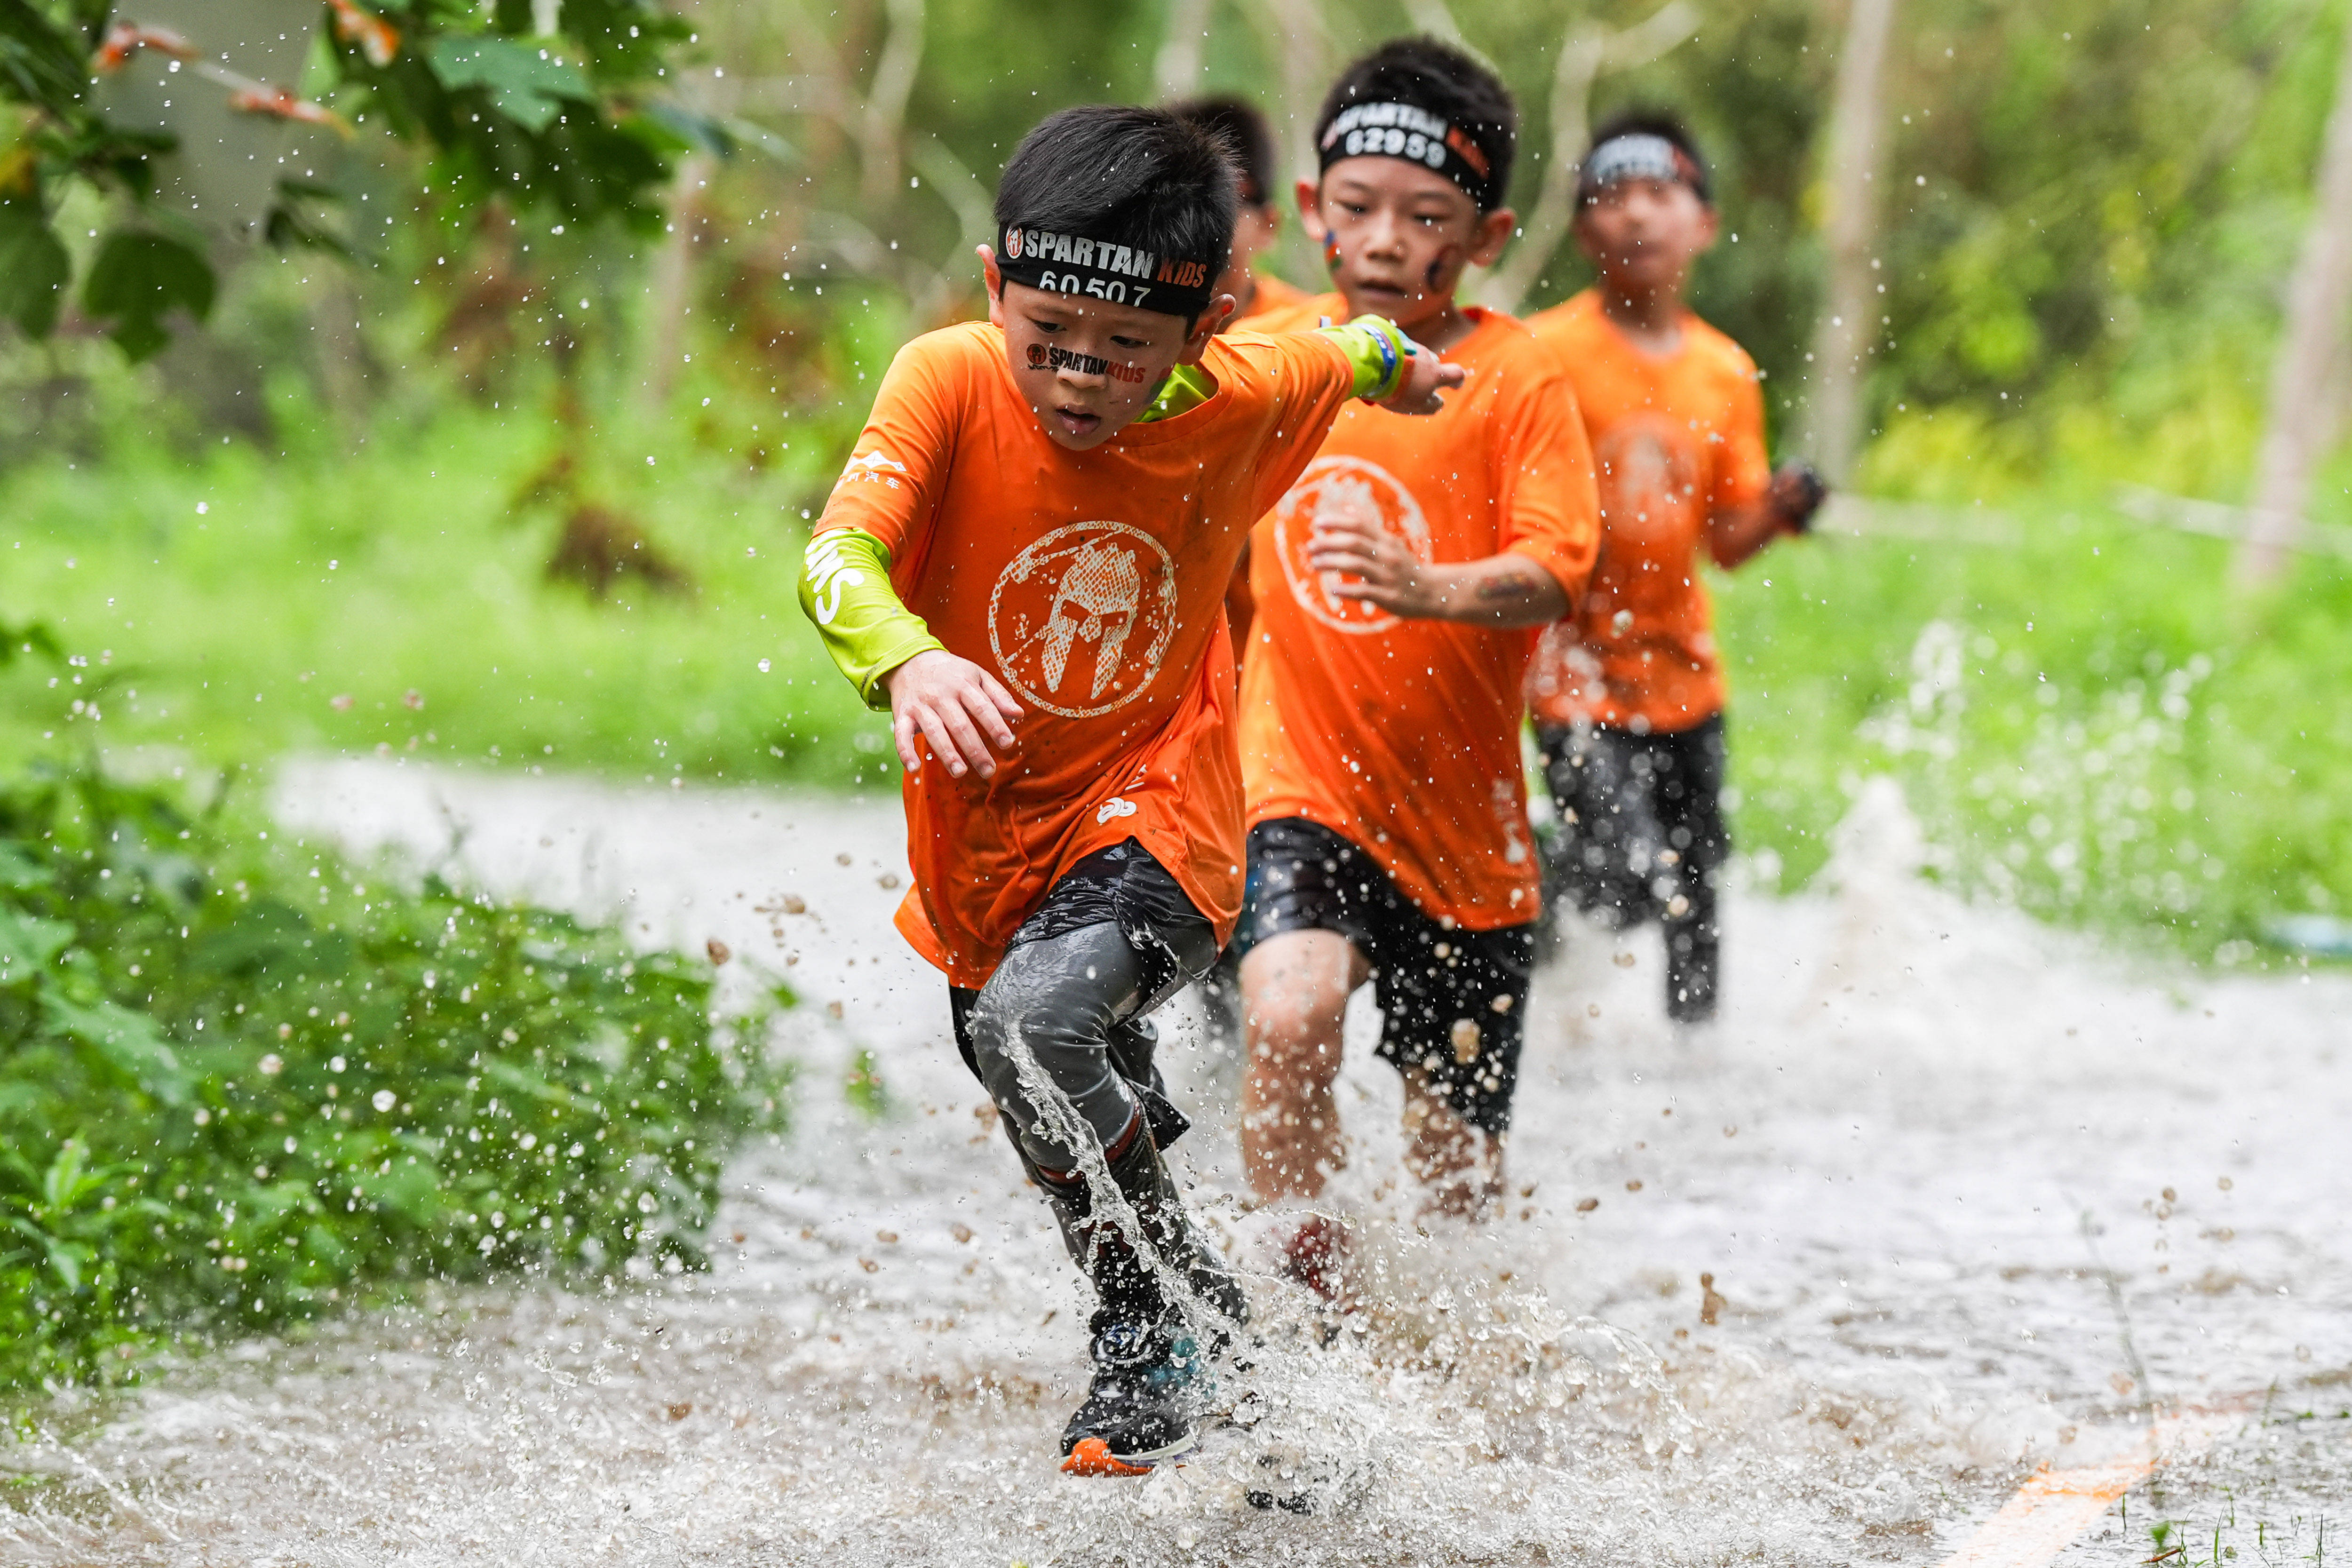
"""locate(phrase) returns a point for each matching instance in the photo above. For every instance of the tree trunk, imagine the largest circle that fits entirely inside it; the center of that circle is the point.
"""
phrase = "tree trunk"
(1177, 68)
(1851, 187)
(2302, 415)
(1296, 35)
(669, 286)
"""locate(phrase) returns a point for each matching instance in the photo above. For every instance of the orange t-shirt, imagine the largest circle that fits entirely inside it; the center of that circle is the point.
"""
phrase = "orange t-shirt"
(1274, 298)
(1090, 583)
(1675, 439)
(1402, 736)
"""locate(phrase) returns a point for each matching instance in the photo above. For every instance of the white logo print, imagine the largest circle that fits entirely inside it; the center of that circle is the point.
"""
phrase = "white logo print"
(1080, 620)
(1116, 806)
(1333, 488)
(828, 573)
(870, 466)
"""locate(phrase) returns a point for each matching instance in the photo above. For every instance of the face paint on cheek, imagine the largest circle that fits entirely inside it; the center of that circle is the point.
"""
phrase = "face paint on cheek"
(1331, 253)
(1444, 269)
(1055, 357)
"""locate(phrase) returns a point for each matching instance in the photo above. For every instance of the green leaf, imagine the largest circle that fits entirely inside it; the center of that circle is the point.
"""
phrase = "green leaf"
(27, 942)
(43, 64)
(691, 131)
(130, 1040)
(526, 84)
(34, 267)
(267, 937)
(140, 278)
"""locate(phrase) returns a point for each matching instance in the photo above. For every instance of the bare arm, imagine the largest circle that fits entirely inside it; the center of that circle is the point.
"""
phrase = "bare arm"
(1736, 534)
(1505, 590)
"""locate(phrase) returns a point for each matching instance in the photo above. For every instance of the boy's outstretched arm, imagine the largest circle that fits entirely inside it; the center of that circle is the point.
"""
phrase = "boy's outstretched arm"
(890, 656)
(1391, 370)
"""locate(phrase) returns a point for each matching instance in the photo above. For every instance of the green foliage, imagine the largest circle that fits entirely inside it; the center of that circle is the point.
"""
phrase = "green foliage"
(241, 1082)
(34, 268)
(2084, 726)
(513, 116)
(332, 586)
(138, 279)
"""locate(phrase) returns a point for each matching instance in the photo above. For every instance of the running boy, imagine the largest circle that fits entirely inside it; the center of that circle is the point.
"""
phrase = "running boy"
(1400, 585)
(1036, 529)
(1627, 690)
(1256, 220)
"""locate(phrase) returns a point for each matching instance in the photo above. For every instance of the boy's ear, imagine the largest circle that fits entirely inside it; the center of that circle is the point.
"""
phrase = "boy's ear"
(1213, 321)
(995, 284)
(1494, 231)
(1310, 211)
(1710, 223)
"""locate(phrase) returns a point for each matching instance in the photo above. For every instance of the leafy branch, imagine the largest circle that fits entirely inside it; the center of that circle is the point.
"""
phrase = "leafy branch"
(560, 104)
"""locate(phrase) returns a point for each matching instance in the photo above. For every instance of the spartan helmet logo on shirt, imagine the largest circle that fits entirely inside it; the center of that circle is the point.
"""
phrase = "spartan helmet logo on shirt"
(1081, 620)
(1332, 488)
(1096, 602)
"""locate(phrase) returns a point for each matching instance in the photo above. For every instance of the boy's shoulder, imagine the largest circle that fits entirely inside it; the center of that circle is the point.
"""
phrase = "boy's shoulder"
(1504, 343)
(1717, 350)
(964, 344)
(1301, 313)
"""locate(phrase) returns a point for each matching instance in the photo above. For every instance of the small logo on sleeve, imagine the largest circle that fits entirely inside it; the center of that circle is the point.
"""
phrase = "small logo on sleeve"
(1117, 805)
(873, 468)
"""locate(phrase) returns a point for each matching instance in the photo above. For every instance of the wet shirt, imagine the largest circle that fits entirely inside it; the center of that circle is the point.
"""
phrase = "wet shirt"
(1090, 583)
(1674, 439)
(1402, 736)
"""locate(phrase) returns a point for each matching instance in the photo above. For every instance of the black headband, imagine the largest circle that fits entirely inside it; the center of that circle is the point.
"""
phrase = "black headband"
(1412, 133)
(1637, 156)
(1120, 274)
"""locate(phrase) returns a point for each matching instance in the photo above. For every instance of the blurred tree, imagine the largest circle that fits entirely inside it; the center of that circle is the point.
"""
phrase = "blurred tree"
(1850, 185)
(2304, 417)
(533, 102)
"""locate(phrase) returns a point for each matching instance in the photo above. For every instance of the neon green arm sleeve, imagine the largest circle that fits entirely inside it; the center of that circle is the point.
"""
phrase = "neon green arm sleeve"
(1378, 350)
(846, 591)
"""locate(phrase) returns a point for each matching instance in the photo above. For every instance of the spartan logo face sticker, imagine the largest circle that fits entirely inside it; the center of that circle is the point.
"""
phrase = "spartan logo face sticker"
(1080, 620)
(1336, 488)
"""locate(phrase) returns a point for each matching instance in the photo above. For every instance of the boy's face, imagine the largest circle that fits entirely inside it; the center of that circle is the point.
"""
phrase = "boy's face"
(1644, 234)
(1089, 367)
(1397, 236)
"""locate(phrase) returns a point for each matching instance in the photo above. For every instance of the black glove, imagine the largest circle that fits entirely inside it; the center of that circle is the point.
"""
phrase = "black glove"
(1798, 491)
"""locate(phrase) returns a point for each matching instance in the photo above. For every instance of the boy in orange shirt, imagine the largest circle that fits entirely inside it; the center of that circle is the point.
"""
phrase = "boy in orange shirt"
(1628, 690)
(1036, 529)
(1401, 585)
(1257, 221)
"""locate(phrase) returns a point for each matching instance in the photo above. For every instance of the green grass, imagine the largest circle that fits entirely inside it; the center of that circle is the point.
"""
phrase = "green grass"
(2082, 716)
(391, 601)
(2086, 721)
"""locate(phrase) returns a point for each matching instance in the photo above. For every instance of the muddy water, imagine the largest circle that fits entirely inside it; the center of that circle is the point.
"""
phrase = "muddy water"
(1971, 1196)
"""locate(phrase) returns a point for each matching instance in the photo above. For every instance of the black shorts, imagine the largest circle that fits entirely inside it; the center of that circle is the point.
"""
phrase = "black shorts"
(1453, 1002)
(1173, 942)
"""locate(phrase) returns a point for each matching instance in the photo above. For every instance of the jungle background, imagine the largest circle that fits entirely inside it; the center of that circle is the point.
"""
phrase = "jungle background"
(484, 423)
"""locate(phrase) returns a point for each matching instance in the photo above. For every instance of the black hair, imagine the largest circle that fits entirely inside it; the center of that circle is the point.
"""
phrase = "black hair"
(1246, 134)
(1140, 177)
(1445, 81)
(1669, 127)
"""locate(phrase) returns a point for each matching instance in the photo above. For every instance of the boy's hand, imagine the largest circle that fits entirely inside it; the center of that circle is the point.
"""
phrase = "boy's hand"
(1394, 578)
(955, 706)
(1797, 493)
(1426, 375)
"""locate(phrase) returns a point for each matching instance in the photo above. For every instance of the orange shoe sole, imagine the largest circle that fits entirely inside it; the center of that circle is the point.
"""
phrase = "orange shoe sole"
(1093, 1457)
